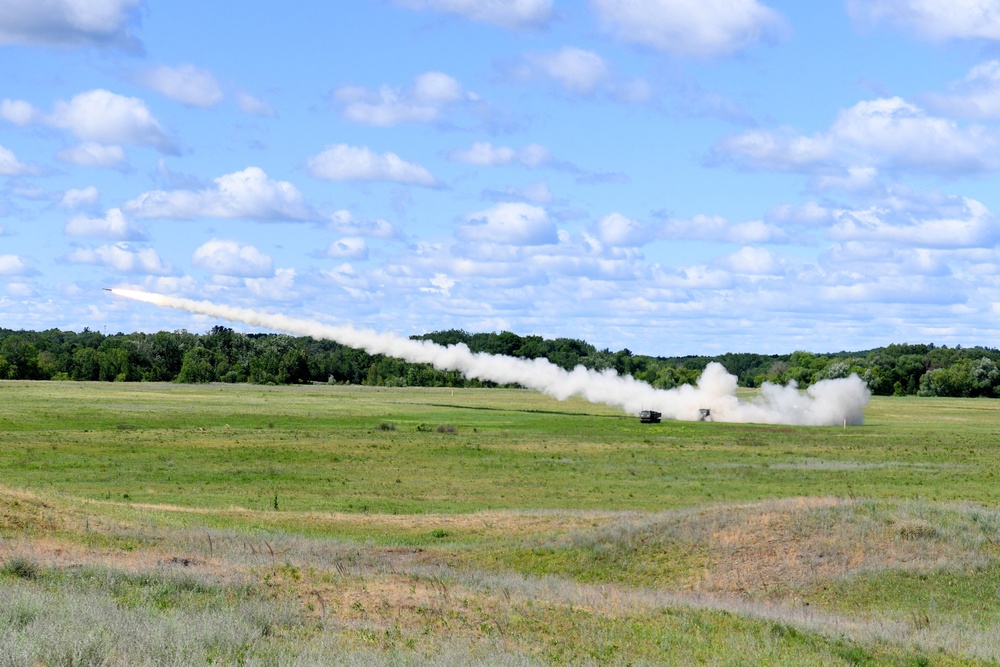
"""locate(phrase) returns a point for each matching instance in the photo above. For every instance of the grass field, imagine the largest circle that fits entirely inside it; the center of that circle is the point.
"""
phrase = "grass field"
(173, 524)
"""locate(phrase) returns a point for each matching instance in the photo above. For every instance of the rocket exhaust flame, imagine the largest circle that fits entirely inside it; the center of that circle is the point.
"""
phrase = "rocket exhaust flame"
(826, 403)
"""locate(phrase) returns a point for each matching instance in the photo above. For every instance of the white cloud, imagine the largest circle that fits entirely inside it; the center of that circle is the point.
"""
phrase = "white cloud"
(511, 223)
(782, 150)
(68, 23)
(956, 224)
(113, 226)
(77, 197)
(185, 83)
(701, 28)
(343, 222)
(810, 213)
(975, 96)
(862, 258)
(425, 102)
(576, 70)
(254, 105)
(485, 154)
(359, 163)
(579, 72)
(936, 20)
(537, 193)
(19, 112)
(99, 116)
(752, 261)
(123, 258)
(13, 265)
(718, 229)
(10, 165)
(102, 116)
(886, 132)
(229, 258)
(93, 154)
(853, 180)
(505, 13)
(349, 247)
(439, 284)
(242, 194)
(346, 277)
(279, 288)
(617, 230)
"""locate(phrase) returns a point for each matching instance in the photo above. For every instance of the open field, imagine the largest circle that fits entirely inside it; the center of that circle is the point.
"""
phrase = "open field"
(173, 524)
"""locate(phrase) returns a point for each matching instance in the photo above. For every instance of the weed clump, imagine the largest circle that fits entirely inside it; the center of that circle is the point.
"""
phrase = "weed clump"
(916, 529)
(386, 426)
(21, 567)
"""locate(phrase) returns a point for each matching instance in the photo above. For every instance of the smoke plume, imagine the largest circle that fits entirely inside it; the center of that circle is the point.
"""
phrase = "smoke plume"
(826, 403)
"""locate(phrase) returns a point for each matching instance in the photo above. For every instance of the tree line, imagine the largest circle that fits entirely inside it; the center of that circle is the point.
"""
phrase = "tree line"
(224, 355)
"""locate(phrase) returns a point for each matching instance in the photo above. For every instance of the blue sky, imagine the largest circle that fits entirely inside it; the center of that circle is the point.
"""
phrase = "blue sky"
(671, 176)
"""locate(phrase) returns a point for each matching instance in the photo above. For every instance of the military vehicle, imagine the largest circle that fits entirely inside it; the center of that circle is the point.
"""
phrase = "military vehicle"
(649, 417)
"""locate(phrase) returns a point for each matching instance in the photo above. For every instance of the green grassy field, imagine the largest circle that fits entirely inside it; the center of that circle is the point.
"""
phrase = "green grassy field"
(174, 524)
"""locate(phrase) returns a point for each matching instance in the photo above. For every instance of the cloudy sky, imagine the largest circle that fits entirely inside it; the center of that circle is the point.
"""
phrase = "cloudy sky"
(671, 176)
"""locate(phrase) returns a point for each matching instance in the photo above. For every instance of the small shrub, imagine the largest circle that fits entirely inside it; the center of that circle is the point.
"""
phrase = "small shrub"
(439, 533)
(386, 426)
(21, 566)
(916, 529)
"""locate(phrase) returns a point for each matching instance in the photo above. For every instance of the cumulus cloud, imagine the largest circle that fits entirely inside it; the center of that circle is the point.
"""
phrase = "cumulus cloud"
(242, 194)
(439, 283)
(862, 258)
(886, 132)
(617, 230)
(537, 193)
(93, 154)
(810, 213)
(347, 278)
(515, 14)
(719, 229)
(936, 20)
(229, 258)
(10, 165)
(575, 70)
(69, 23)
(349, 247)
(185, 83)
(19, 112)
(975, 96)
(510, 223)
(752, 261)
(700, 28)
(957, 223)
(124, 258)
(254, 106)
(345, 223)
(14, 265)
(113, 226)
(80, 197)
(853, 180)
(98, 116)
(426, 101)
(360, 163)
(579, 72)
(485, 154)
(281, 287)
(103, 116)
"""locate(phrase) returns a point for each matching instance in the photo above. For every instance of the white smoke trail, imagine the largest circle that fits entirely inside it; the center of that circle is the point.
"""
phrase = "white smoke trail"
(826, 403)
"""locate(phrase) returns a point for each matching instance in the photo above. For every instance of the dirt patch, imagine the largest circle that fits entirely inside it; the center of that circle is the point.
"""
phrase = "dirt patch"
(771, 547)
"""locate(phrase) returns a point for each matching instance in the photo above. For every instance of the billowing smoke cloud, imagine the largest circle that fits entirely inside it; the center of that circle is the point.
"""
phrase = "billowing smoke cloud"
(826, 403)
